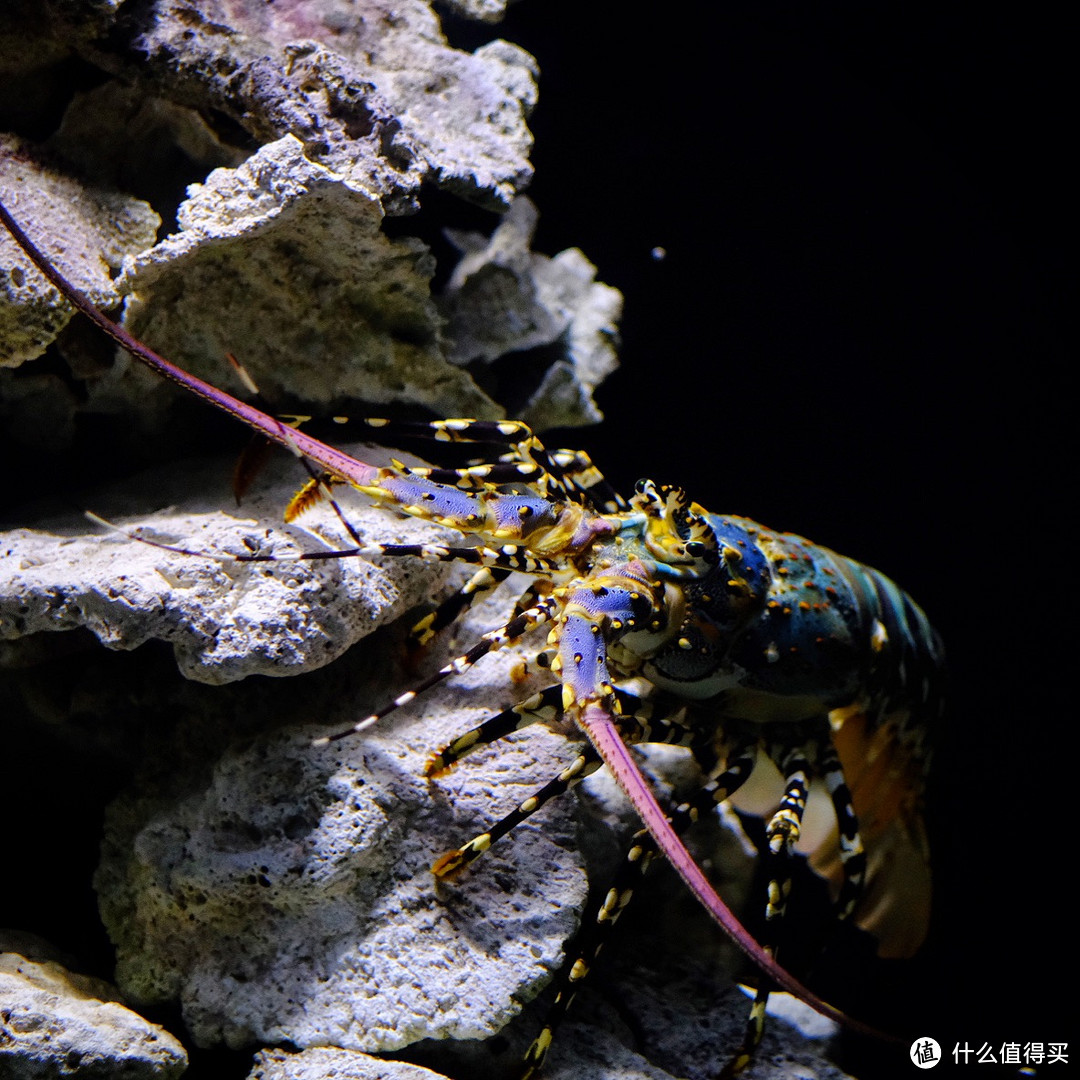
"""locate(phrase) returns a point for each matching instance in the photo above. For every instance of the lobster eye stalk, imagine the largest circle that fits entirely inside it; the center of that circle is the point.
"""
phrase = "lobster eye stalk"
(675, 533)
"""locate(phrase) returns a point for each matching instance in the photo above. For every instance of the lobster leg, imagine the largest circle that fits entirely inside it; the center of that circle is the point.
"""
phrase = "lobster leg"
(571, 475)
(649, 725)
(580, 475)
(596, 931)
(545, 705)
(781, 835)
(568, 474)
(852, 853)
(542, 706)
(484, 581)
(585, 764)
(481, 584)
(490, 642)
(527, 462)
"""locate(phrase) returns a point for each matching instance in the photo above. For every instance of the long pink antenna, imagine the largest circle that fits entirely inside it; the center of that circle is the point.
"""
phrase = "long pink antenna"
(598, 725)
(351, 470)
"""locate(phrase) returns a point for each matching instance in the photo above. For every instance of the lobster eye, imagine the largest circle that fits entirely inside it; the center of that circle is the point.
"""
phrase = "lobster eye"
(695, 549)
(640, 485)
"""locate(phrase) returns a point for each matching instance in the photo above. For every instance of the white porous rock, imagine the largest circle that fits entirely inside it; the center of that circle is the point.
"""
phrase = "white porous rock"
(224, 620)
(372, 88)
(95, 230)
(333, 1063)
(482, 10)
(54, 1023)
(503, 297)
(284, 263)
(282, 892)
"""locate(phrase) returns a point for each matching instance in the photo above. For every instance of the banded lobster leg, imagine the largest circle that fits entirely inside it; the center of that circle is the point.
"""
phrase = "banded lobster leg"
(511, 632)
(781, 835)
(656, 718)
(565, 474)
(852, 852)
(568, 474)
(798, 761)
(638, 722)
(724, 778)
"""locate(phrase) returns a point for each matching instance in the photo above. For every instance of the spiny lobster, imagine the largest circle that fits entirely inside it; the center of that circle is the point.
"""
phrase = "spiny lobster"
(779, 664)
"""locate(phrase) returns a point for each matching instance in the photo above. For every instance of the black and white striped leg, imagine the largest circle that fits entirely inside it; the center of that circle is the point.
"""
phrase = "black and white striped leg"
(641, 719)
(723, 781)
(567, 473)
(578, 474)
(526, 462)
(586, 763)
(483, 582)
(515, 629)
(781, 835)
(560, 474)
(852, 853)
(542, 706)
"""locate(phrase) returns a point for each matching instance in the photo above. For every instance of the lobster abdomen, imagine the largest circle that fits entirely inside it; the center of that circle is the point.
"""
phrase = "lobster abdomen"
(786, 629)
(839, 630)
(823, 636)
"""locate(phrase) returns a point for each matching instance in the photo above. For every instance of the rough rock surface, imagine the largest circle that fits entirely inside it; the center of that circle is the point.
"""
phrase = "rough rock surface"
(96, 229)
(54, 1023)
(224, 620)
(283, 893)
(371, 88)
(283, 259)
(333, 1063)
(283, 262)
(502, 297)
